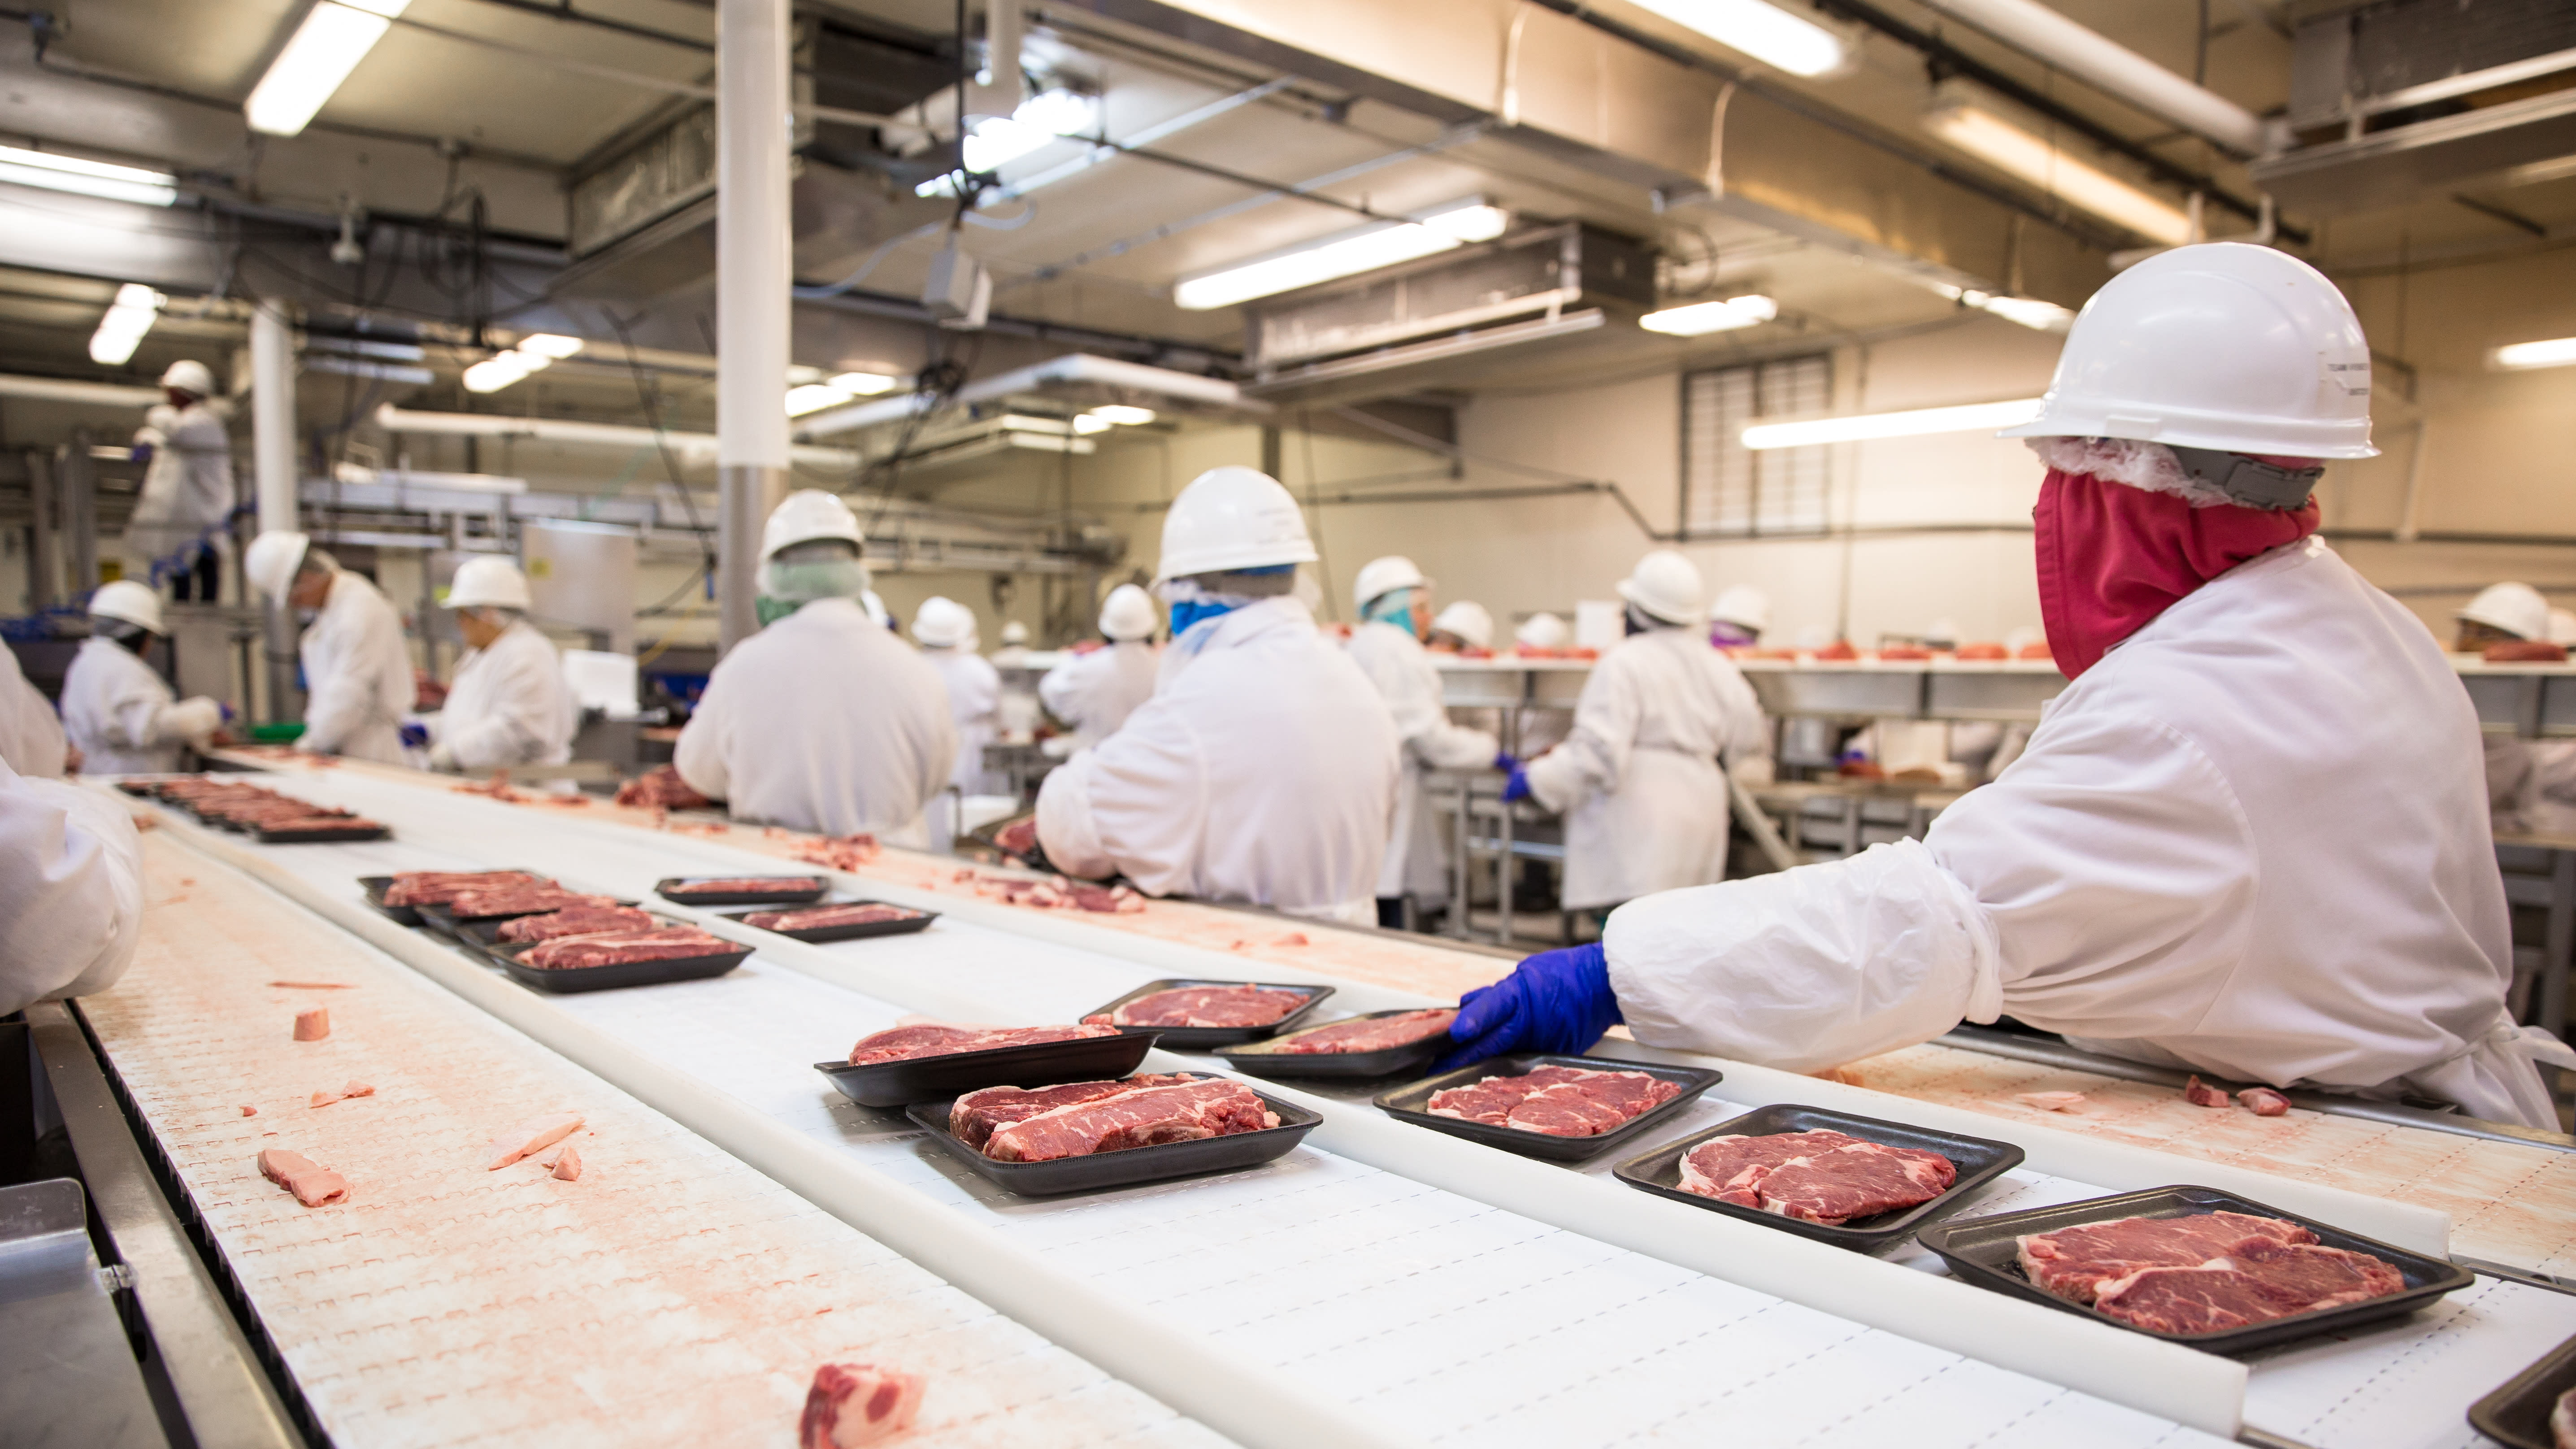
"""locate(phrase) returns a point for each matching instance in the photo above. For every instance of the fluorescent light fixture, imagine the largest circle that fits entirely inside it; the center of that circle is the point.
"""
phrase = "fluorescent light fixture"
(535, 353)
(2043, 164)
(1767, 33)
(1918, 422)
(87, 178)
(2556, 352)
(1346, 255)
(996, 141)
(1122, 414)
(841, 388)
(2030, 312)
(335, 36)
(1091, 423)
(865, 384)
(127, 319)
(1701, 318)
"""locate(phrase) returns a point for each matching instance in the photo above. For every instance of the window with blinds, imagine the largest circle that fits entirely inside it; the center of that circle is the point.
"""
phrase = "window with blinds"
(1729, 490)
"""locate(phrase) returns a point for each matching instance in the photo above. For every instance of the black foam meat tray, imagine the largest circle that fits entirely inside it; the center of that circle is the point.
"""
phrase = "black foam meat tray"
(1103, 1170)
(1264, 1059)
(2517, 1414)
(919, 920)
(1411, 1103)
(323, 837)
(1979, 1161)
(1038, 1064)
(676, 888)
(1199, 1038)
(567, 979)
(1986, 1251)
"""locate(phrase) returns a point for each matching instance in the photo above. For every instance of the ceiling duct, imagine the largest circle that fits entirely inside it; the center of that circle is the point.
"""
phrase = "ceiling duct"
(2398, 97)
(1443, 319)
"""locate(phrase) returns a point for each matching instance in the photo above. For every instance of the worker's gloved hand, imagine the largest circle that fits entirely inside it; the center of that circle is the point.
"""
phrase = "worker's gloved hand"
(1518, 786)
(229, 714)
(414, 736)
(140, 453)
(1555, 1001)
(442, 756)
(1507, 762)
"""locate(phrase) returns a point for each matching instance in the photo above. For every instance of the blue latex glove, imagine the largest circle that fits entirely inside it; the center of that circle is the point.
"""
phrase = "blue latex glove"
(415, 735)
(139, 453)
(1556, 1001)
(1508, 763)
(227, 709)
(1517, 787)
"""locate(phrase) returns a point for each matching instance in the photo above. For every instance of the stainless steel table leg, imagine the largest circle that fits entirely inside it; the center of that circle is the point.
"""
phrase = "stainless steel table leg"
(2561, 943)
(1503, 863)
(1459, 873)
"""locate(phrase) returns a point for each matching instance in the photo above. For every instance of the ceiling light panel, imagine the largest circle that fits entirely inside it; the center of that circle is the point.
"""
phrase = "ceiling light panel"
(1349, 254)
(1768, 33)
(2520, 356)
(87, 178)
(122, 329)
(2000, 143)
(335, 36)
(1913, 423)
(1701, 318)
(534, 353)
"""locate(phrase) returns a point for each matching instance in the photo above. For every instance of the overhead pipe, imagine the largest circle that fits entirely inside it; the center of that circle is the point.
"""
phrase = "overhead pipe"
(2045, 35)
(63, 389)
(754, 271)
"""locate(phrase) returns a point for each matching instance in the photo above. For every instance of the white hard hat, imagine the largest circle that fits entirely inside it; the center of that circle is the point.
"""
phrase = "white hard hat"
(1384, 575)
(271, 560)
(129, 601)
(1666, 585)
(189, 375)
(487, 581)
(1015, 632)
(1230, 519)
(2223, 345)
(942, 623)
(1743, 604)
(1942, 633)
(1540, 631)
(1129, 613)
(876, 608)
(2562, 627)
(1468, 620)
(2517, 609)
(806, 515)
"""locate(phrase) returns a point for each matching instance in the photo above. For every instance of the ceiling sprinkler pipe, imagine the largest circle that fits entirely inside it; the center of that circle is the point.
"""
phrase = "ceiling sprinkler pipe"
(2042, 33)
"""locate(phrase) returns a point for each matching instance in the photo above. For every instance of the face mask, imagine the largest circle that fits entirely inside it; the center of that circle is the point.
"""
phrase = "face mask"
(1186, 612)
(2112, 557)
(772, 610)
(1393, 607)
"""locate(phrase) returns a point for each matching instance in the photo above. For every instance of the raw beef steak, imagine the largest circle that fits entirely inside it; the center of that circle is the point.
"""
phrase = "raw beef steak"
(1860, 1180)
(758, 885)
(620, 948)
(1720, 1166)
(2072, 1261)
(2261, 1279)
(815, 918)
(1375, 1034)
(854, 1404)
(1556, 1101)
(1143, 1117)
(1221, 1006)
(905, 1043)
(975, 1117)
(438, 887)
(523, 900)
(574, 921)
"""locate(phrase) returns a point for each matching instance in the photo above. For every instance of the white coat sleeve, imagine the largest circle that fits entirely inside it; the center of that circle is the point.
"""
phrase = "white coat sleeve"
(1748, 741)
(31, 734)
(699, 755)
(1807, 968)
(522, 720)
(1422, 723)
(1594, 754)
(1060, 689)
(71, 890)
(143, 716)
(1136, 803)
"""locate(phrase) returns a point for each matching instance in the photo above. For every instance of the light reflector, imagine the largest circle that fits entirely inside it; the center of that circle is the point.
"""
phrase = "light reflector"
(122, 329)
(2555, 352)
(2043, 164)
(1767, 33)
(534, 353)
(1701, 318)
(1914, 423)
(87, 178)
(997, 141)
(1346, 255)
(335, 36)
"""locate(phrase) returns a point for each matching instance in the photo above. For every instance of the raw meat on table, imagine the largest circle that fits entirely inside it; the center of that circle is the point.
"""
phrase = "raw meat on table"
(853, 1404)
(438, 887)
(2071, 1262)
(1556, 1101)
(757, 885)
(2258, 1280)
(528, 1138)
(816, 918)
(520, 901)
(1372, 1034)
(313, 1023)
(2052, 1101)
(313, 1184)
(1859, 1180)
(573, 921)
(908, 1043)
(2201, 1094)
(1138, 1117)
(622, 948)
(975, 1117)
(567, 1165)
(1205, 1006)
(1713, 1168)
(2264, 1102)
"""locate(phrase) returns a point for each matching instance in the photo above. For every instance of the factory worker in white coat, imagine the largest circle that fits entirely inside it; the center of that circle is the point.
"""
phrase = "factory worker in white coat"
(823, 720)
(2509, 618)
(31, 734)
(357, 671)
(1641, 778)
(2250, 839)
(945, 630)
(71, 890)
(1394, 602)
(119, 710)
(187, 485)
(1264, 767)
(509, 704)
(1096, 689)
(1461, 628)
(1739, 616)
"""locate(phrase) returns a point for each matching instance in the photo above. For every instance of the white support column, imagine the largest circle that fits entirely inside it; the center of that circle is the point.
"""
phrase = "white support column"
(274, 474)
(753, 273)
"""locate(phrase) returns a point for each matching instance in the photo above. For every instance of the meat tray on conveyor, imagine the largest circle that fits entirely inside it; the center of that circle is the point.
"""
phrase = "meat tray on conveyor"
(1129, 1166)
(1199, 1038)
(2517, 1414)
(913, 920)
(1411, 1103)
(484, 935)
(444, 918)
(1266, 1059)
(676, 888)
(953, 1075)
(365, 830)
(1986, 1251)
(376, 886)
(1978, 1160)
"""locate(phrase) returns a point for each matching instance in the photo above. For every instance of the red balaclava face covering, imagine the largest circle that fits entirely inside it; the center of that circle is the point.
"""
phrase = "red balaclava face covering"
(2113, 557)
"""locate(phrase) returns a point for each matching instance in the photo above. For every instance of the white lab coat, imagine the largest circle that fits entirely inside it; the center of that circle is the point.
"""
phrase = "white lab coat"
(71, 890)
(974, 702)
(31, 734)
(357, 675)
(1417, 855)
(2252, 842)
(823, 721)
(188, 485)
(124, 716)
(1262, 770)
(509, 704)
(1095, 692)
(1640, 778)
